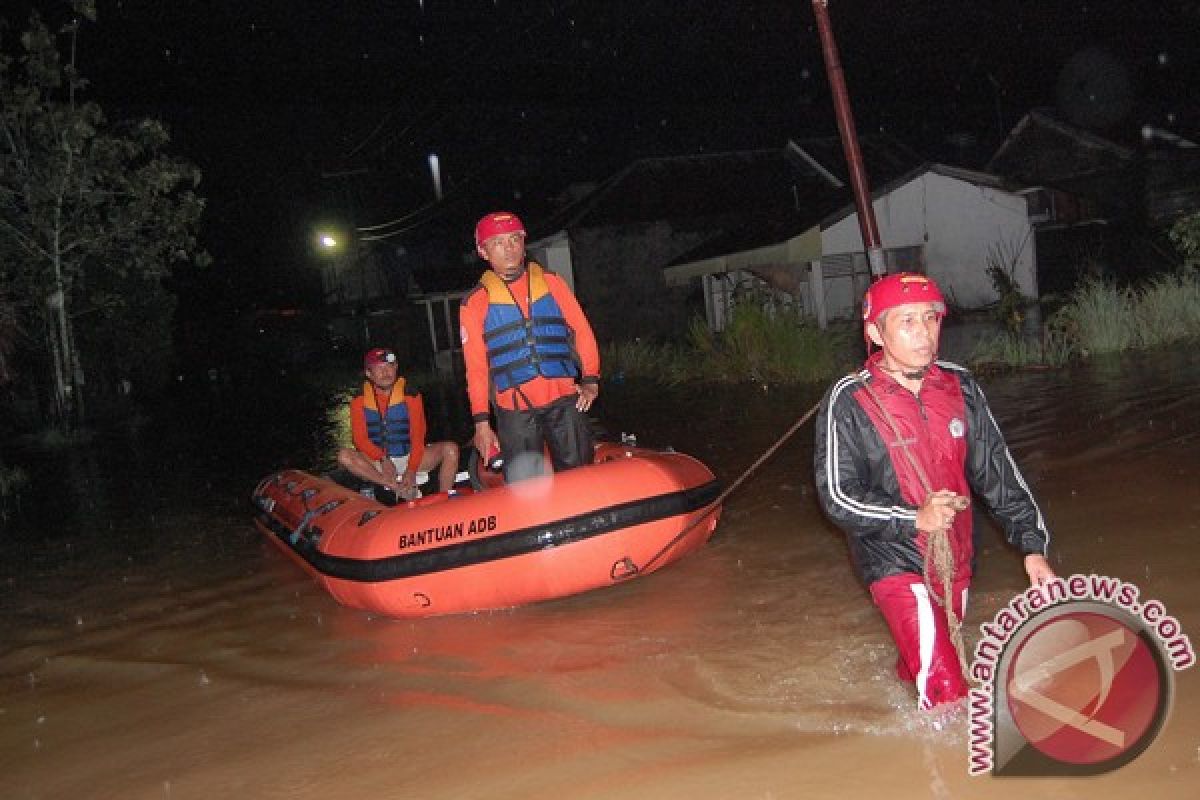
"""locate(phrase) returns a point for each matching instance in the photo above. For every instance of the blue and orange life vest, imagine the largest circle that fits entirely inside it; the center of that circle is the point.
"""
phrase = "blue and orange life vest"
(389, 430)
(520, 348)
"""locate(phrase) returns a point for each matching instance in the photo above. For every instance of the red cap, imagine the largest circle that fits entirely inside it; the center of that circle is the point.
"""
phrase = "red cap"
(380, 355)
(896, 290)
(496, 223)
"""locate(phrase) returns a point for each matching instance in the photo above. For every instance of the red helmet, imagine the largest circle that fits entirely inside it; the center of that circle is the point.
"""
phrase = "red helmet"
(378, 355)
(896, 290)
(496, 223)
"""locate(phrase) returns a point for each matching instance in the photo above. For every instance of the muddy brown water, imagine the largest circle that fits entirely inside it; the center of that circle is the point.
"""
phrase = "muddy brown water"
(153, 646)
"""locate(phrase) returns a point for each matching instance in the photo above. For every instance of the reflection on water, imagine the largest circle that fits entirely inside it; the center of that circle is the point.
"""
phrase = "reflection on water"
(154, 646)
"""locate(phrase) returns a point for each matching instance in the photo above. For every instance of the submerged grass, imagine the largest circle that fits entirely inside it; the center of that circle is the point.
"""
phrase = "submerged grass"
(12, 480)
(1168, 309)
(766, 346)
(1012, 349)
(1102, 317)
(659, 362)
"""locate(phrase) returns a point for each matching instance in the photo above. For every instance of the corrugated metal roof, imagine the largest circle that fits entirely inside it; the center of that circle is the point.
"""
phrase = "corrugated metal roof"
(779, 188)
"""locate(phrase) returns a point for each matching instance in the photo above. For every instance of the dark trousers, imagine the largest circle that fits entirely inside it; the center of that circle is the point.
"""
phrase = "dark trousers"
(559, 426)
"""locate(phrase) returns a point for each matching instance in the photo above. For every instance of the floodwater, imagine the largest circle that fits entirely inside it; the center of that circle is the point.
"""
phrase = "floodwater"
(152, 645)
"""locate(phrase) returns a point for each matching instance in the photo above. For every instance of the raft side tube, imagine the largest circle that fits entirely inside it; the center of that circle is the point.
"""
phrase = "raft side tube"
(435, 558)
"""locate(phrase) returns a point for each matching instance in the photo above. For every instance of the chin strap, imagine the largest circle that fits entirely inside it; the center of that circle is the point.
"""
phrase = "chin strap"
(915, 375)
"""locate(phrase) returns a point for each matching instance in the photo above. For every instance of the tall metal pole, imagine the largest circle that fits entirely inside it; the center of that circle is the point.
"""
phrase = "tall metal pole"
(845, 122)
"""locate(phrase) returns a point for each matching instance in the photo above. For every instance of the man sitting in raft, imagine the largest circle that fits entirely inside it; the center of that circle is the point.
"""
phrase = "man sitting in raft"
(900, 447)
(530, 354)
(385, 421)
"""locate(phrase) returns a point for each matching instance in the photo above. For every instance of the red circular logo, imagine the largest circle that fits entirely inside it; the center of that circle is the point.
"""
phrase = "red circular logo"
(1086, 688)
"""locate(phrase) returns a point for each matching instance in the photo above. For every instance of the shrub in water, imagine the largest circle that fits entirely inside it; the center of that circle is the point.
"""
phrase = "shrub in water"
(762, 345)
(1100, 317)
(1168, 309)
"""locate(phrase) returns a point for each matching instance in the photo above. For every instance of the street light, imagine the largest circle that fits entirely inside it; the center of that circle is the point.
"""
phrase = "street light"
(342, 249)
(331, 238)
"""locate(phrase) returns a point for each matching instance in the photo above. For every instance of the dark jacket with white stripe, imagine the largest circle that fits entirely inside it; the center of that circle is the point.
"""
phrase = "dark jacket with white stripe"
(871, 489)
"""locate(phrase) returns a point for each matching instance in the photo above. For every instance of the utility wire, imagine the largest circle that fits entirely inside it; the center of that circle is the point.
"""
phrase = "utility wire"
(492, 40)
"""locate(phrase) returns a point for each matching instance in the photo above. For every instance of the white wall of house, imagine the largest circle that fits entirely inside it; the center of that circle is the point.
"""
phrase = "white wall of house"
(554, 253)
(963, 227)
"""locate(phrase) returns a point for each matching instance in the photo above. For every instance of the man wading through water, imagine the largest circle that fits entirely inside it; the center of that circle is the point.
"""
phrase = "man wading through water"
(900, 448)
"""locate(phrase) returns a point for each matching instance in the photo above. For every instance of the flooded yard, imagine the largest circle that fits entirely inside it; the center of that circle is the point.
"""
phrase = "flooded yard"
(155, 646)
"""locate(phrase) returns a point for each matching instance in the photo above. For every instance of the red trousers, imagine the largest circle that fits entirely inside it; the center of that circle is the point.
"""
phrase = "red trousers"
(920, 630)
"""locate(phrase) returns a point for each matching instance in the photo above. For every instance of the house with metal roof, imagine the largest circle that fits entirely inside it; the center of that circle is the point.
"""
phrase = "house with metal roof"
(614, 243)
(670, 238)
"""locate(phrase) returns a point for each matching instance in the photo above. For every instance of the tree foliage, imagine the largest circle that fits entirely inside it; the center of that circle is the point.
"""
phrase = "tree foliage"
(93, 217)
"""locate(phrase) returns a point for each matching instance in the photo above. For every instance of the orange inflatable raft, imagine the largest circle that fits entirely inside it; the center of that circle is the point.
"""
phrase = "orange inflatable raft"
(630, 513)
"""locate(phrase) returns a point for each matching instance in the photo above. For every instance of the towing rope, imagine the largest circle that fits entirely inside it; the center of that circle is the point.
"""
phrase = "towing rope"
(939, 556)
(702, 513)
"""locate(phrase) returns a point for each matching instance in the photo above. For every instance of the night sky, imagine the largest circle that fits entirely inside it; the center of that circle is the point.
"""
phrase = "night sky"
(297, 110)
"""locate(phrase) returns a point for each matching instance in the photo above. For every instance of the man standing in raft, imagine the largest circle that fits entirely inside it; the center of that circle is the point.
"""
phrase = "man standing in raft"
(530, 354)
(388, 428)
(900, 448)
